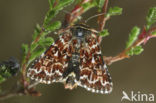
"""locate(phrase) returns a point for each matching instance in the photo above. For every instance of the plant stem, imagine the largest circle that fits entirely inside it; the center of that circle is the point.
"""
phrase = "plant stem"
(24, 66)
(76, 12)
(102, 19)
(9, 95)
(123, 54)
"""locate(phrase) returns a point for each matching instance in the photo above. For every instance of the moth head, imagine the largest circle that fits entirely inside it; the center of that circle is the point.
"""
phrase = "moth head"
(82, 30)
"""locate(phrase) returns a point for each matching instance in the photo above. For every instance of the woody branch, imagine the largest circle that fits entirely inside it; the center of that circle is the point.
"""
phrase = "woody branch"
(25, 87)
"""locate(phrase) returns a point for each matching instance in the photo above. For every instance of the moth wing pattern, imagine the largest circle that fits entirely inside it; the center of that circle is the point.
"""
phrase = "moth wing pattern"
(94, 74)
(74, 59)
(51, 64)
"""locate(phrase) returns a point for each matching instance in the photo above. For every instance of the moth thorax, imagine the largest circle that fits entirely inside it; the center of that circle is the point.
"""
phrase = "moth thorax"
(70, 82)
(75, 58)
(79, 32)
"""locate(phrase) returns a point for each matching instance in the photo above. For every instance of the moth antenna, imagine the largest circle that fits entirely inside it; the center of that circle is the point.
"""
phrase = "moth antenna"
(79, 18)
(65, 11)
(94, 17)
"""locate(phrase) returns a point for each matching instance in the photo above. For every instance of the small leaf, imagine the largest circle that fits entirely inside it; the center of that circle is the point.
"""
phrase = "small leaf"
(25, 48)
(36, 31)
(54, 11)
(88, 5)
(50, 14)
(53, 26)
(36, 54)
(130, 52)
(33, 47)
(135, 51)
(100, 3)
(114, 11)
(153, 33)
(77, 1)
(46, 42)
(63, 3)
(51, 3)
(4, 73)
(2, 79)
(104, 33)
(151, 17)
(138, 50)
(133, 36)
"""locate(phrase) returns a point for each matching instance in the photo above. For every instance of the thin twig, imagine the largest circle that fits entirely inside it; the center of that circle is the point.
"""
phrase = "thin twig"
(123, 54)
(27, 87)
(102, 19)
(24, 66)
(21, 91)
(9, 95)
(75, 13)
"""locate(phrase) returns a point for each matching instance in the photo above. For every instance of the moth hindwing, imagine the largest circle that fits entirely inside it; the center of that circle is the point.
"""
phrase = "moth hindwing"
(74, 59)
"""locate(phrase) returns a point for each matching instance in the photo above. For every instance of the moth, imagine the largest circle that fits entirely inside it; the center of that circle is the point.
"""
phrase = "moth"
(74, 59)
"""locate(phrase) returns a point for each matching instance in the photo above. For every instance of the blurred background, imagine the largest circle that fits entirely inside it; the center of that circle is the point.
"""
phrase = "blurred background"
(17, 22)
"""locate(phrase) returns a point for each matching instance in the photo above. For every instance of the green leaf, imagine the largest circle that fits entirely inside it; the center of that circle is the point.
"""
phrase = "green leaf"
(4, 73)
(135, 51)
(51, 3)
(100, 3)
(36, 54)
(53, 26)
(88, 5)
(36, 31)
(133, 36)
(151, 17)
(50, 14)
(25, 49)
(7, 74)
(138, 50)
(33, 46)
(104, 33)
(77, 1)
(2, 79)
(46, 42)
(54, 11)
(114, 11)
(153, 33)
(63, 3)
